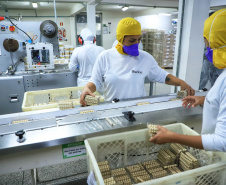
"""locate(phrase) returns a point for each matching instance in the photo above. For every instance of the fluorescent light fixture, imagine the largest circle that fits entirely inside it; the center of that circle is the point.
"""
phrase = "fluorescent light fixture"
(124, 8)
(166, 14)
(35, 5)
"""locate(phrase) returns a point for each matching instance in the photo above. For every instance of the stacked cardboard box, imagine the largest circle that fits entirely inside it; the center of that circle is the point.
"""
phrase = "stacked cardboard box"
(160, 46)
(168, 50)
(148, 39)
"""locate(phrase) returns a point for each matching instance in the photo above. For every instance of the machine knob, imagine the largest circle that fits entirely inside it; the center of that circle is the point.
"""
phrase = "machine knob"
(115, 100)
(129, 115)
(20, 135)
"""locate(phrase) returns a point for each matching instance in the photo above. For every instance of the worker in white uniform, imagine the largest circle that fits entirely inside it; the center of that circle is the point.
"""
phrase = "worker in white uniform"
(140, 46)
(213, 136)
(122, 70)
(83, 58)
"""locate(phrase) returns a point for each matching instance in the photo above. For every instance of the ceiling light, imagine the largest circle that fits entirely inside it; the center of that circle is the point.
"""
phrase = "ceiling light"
(124, 8)
(166, 14)
(35, 5)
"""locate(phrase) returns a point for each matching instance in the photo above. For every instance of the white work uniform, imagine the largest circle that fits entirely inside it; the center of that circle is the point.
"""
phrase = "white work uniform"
(84, 57)
(214, 116)
(123, 75)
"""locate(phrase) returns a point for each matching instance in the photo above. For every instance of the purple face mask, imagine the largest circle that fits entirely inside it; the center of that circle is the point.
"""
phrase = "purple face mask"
(209, 54)
(131, 50)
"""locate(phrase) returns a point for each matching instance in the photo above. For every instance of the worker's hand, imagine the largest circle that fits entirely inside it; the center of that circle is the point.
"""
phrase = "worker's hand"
(193, 101)
(86, 91)
(163, 136)
(190, 90)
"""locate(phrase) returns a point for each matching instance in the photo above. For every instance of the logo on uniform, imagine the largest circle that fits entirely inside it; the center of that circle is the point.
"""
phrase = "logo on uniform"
(139, 72)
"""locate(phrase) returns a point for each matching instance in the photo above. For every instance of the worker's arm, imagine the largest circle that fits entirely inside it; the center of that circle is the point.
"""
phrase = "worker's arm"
(87, 90)
(73, 64)
(172, 80)
(166, 136)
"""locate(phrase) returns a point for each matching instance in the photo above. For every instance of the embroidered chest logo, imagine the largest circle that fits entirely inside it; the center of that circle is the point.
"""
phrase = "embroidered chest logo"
(139, 72)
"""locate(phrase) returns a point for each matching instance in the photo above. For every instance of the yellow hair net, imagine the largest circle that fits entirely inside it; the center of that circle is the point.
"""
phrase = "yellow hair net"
(126, 26)
(215, 33)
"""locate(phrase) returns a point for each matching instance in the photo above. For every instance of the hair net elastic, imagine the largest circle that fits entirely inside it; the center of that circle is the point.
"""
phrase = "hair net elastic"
(215, 33)
(126, 26)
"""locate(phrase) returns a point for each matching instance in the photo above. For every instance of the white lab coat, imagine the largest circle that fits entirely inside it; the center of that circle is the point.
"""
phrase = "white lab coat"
(84, 58)
(214, 116)
(123, 76)
(140, 46)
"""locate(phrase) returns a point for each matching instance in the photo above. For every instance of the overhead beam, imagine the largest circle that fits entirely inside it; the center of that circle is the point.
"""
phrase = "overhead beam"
(94, 2)
(152, 3)
(214, 3)
(77, 8)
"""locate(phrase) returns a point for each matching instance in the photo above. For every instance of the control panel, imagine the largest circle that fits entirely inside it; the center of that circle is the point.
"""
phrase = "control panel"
(7, 28)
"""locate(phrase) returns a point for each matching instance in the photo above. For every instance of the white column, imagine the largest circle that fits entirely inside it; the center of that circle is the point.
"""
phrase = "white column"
(91, 18)
(72, 27)
(190, 51)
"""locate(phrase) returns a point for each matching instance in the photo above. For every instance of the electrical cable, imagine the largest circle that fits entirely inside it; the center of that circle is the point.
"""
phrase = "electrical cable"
(20, 29)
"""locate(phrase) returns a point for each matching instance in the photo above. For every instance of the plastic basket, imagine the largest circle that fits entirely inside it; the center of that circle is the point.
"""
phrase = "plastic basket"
(47, 99)
(128, 148)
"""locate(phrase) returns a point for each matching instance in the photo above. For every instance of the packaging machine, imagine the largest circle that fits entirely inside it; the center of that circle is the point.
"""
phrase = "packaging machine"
(53, 136)
(27, 52)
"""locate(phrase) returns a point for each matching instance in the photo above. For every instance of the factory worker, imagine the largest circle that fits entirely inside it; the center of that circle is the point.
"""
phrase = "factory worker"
(140, 46)
(83, 58)
(213, 136)
(122, 70)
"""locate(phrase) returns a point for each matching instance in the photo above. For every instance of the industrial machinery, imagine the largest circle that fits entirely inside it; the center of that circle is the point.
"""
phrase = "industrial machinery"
(15, 39)
(36, 139)
(39, 56)
(27, 51)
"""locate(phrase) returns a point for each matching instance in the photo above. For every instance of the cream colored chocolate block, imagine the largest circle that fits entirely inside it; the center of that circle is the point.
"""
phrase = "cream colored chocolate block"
(90, 100)
(119, 171)
(176, 169)
(135, 168)
(159, 174)
(20, 121)
(182, 94)
(86, 111)
(139, 173)
(172, 171)
(109, 121)
(170, 166)
(181, 147)
(65, 105)
(151, 164)
(155, 170)
(143, 103)
(102, 163)
(109, 181)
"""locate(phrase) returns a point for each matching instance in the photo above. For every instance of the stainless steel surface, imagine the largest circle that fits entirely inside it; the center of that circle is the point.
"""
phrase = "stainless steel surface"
(12, 93)
(44, 81)
(69, 126)
(30, 125)
(18, 85)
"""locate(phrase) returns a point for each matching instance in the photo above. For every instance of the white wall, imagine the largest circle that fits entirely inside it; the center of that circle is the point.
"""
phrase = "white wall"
(159, 22)
(114, 18)
(154, 11)
(150, 19)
